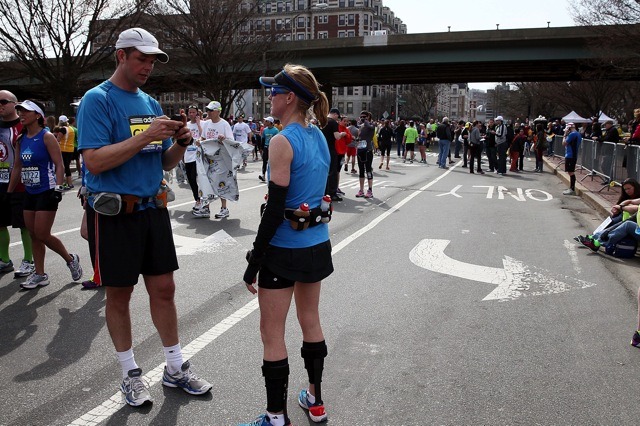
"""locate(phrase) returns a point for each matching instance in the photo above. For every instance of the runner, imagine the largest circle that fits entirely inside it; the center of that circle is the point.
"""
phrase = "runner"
(39, 164)
(293, 262)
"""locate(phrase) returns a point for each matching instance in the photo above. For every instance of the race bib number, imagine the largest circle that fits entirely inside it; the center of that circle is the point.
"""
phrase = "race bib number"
(139, 124)
(31, 176)
(362, 144)
(4, 175)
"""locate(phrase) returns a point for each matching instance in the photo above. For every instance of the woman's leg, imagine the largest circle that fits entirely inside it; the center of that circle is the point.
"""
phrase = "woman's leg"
(42, 230)
(37, 245)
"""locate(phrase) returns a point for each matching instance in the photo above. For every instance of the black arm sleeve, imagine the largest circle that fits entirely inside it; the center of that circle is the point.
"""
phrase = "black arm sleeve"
(272, 218)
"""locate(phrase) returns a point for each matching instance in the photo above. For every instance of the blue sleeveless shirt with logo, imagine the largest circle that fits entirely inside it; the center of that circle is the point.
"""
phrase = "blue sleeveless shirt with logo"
(38, 171)
(309, 170)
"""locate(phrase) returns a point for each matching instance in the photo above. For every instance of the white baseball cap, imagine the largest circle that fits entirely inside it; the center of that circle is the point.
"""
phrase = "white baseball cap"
(143, 41)
(270, 119)
(63, 119)
(214, 106)
(499, 118)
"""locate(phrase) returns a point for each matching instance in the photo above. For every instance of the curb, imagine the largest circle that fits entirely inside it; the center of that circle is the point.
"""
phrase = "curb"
(601, 206)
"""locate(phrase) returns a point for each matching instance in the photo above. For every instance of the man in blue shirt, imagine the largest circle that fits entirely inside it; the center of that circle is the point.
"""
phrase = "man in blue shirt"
(126, 142)
(572, 141)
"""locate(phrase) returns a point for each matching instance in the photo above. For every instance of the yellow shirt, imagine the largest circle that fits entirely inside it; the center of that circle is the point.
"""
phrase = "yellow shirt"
(68, 141)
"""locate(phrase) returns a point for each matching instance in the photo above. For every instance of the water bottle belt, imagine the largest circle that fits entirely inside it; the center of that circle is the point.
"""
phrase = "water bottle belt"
(300, 223)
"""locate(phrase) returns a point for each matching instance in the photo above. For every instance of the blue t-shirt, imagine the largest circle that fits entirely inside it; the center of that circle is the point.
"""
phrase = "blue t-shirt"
(268, 133)
(309, 169)
(574, 140)
(38, 171)
(108, 115)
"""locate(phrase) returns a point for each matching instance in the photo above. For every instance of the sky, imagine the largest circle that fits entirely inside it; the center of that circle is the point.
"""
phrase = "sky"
(434, 16)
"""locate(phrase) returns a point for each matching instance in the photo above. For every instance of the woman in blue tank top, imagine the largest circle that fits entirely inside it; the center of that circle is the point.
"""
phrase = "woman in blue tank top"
(39, 165)
(292, 262)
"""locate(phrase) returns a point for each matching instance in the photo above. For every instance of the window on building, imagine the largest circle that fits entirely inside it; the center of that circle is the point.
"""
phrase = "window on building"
(259, 25)
(341, 34)
(374, 91)
(267, 7)
(301, 36)
(350, 90)
(323, 34)
(341, 106)
(289, 6)
(351, 33)
(342, 3)
(301, 4)
(278, 24)
(344, 90)
(280, 6)
(267, 24)
(366, 19)
(364, 106)
(356, 91)
(351, 19)
(366, 3)
(349, 107)
(352, 3)
(287, 23)
(301, 21)
(341, 20)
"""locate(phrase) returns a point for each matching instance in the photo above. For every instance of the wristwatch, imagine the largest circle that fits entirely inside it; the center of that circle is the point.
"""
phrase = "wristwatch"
(59, 188)
(182, 143)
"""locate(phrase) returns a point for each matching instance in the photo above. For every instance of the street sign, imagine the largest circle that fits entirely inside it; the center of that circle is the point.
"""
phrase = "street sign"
(385, 115)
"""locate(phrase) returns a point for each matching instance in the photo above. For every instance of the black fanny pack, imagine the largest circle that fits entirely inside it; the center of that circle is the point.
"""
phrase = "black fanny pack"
(301, 221)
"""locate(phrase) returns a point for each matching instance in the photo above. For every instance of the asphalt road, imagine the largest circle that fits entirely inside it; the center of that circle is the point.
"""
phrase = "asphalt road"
(457, 299)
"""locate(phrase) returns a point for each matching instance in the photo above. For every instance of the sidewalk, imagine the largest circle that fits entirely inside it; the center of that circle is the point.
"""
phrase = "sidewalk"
(600, 197)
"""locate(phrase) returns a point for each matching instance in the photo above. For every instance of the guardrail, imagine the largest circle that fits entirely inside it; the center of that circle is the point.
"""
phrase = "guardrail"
(610, 162)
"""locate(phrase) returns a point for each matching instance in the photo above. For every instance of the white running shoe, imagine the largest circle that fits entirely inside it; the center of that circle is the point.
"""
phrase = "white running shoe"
(223, 213)
(202, 212)
(26, 268)
(35, 280)
(136, 392)
(75, 267)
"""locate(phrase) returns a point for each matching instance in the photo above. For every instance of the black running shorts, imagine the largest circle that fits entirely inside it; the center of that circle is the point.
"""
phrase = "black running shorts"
(282, 267)
(570, 164)
(410, 147)
(127, 245)
(43, 201)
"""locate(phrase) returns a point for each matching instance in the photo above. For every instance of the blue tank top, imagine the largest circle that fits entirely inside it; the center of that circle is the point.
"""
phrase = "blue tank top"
(38, 171)
(309, 170)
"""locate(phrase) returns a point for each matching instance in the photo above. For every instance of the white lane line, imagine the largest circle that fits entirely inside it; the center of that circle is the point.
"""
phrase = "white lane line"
(111, 406)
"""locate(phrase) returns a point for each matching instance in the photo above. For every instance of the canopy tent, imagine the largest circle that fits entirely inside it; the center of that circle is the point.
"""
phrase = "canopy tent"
(602, 118)
(573, 117)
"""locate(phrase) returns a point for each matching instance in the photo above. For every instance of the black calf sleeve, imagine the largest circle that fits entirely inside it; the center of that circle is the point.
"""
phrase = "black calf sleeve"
(573, 182)
(276, 380)
(313, 355)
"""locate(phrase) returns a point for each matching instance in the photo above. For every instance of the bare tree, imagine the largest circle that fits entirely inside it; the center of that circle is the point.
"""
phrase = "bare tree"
(52, 41)
(219, 43)
(422, 99)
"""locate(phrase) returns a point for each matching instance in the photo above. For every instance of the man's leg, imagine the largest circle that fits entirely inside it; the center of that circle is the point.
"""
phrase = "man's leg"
(118, 317)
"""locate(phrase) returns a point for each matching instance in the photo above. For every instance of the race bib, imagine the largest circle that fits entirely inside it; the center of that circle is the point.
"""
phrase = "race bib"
(31, 176)
(139, 124)
(4, 175)
(362, 144)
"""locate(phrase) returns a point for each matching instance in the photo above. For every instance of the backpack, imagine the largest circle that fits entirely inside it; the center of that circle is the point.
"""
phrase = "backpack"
(626, 248)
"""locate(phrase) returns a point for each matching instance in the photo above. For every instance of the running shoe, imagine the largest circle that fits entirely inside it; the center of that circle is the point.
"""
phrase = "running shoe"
(316, 411)
(360, 194)
(369, 193)
(6, 266)
(591, 244)
(346, 167)
(336, 198)
(26, 268)
(186, 380)
(90, 284)
(197, 206)
(263, 420)
(340, 192)
(75, 267)
(354, 171)
(135, 390)
(202, 212)
(222, 213)
(568, 191)
(635, 340)
(35, 280)
(261, 178)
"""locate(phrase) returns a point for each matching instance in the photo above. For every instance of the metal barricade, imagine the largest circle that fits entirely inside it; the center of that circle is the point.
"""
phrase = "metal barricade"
(627, 162)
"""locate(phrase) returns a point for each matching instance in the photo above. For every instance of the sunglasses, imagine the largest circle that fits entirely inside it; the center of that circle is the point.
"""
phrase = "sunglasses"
(279, 91)
(6, 101)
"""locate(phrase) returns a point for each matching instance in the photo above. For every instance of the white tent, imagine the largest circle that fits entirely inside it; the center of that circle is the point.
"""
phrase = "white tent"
(602, 118)
(573, 117)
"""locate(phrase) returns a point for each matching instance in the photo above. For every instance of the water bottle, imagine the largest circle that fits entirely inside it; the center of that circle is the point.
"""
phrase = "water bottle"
(325, 205)
(301, 214)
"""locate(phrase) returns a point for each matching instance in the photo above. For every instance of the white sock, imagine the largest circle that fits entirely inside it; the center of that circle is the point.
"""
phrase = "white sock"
(173, 355)
(127, 362)
(310, 398)
(276, 419)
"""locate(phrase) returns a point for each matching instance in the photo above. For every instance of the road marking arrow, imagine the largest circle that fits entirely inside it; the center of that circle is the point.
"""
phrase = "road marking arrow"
(187, 245)
(514, 280)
